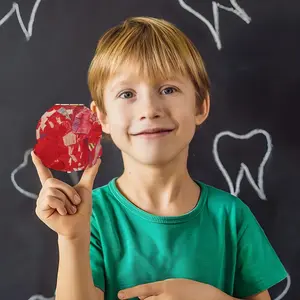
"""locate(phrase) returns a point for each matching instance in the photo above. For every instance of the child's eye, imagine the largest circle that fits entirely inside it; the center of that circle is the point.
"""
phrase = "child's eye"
(168, 90)
(127, 95)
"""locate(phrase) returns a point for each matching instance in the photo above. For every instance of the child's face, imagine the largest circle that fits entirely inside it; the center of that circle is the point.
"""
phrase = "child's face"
(133, 105)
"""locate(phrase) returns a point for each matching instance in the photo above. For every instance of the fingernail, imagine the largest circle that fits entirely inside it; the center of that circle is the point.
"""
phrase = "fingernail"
(77, 199)
(121, 295)
(73, 209)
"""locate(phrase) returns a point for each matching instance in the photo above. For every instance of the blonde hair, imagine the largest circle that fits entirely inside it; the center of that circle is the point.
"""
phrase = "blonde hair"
(155, 47)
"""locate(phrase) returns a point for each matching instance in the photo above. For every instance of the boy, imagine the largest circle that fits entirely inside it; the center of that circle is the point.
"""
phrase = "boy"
(153, 232)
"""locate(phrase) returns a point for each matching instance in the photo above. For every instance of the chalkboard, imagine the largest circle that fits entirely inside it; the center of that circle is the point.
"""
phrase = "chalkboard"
(249, 145)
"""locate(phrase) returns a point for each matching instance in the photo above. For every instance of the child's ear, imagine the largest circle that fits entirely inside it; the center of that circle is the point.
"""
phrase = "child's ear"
(202, 111)
(102, 117)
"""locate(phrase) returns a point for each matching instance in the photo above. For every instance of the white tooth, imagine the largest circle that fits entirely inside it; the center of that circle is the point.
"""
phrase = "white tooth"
(215, 29)
(259, 186)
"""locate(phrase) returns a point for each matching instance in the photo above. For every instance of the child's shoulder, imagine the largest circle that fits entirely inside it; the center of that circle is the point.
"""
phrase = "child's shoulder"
(102, 195)
(219, 200)
(101, 191)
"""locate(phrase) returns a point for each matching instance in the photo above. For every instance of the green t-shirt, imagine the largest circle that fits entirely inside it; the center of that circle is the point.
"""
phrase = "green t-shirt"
(219, 242)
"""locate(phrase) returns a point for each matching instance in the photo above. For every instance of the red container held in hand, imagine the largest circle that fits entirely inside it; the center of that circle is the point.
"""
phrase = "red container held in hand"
(68, 138)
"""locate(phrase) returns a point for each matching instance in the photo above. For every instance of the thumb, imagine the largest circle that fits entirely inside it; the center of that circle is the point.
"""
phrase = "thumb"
(88, 176)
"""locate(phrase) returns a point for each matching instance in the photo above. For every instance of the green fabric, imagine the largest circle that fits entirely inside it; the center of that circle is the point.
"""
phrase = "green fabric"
(219, 242)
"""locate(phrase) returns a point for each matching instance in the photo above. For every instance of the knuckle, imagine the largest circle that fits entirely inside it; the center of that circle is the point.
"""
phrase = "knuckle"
(41, 191)
(51, 200)
(51, 191)
(67, 204)
(41, 194)
(50, 181)
(39, 200)
(69, 191)
(55, 192)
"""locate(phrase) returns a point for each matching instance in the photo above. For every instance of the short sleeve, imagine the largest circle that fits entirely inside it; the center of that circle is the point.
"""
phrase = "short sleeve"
(96, 255)
(258, 267)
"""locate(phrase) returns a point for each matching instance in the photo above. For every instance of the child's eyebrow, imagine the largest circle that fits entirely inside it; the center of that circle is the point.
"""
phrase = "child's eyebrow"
(118, 84)
(177, 79)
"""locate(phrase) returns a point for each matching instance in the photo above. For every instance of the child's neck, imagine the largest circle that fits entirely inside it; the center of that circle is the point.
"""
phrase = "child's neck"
(167, 191)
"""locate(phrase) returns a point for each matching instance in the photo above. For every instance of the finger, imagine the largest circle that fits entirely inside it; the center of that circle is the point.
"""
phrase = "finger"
(61, 196)
(43, 172)
(69, 191)
(89, 175)
(51, 202)
(143, 290)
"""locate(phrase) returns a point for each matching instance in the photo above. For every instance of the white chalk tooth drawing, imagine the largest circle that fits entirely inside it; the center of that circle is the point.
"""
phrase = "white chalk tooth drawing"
(74, 176)
(215, 29)
(40, 297)
(259, 187)
(14, 173)
(16, 9)
(244, 170)
(285, 291)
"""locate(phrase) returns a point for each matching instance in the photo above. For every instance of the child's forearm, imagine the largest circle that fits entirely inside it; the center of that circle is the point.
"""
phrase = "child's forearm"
(74, 280)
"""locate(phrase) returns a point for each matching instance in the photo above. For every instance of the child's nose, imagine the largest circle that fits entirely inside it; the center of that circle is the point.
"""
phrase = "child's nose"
(151, 108)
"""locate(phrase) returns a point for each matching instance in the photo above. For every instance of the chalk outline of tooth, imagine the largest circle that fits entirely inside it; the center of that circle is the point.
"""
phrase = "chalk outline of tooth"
(285, 291)
(215, 30)
(259, 189)
(40, 297)
(74, 176)
(16, 170)
(16, 9)
(243, 168)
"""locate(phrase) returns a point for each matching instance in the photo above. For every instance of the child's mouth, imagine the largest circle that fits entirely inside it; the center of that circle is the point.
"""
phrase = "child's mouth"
(152, 133)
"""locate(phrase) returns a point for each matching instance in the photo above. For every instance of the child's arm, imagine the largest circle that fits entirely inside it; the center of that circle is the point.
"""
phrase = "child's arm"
(74, 280)
(66, 210)
(178, 288)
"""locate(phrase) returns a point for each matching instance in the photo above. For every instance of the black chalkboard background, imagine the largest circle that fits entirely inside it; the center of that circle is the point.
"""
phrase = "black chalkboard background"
(254, 69)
